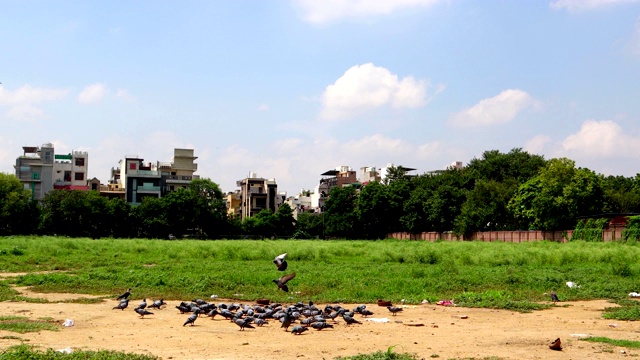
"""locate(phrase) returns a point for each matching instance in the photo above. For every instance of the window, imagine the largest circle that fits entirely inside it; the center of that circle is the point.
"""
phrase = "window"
(67, 175)
(79, 161)
(79, 176)
(132, 166)
(47, 155)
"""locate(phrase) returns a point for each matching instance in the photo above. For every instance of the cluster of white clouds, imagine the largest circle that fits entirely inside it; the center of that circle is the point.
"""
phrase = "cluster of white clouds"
(365, 87)
(22, 102)
(499, 109)
(578, 5)
(325, 11)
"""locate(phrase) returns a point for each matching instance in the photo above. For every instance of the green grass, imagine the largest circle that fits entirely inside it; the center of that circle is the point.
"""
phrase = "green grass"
(629, 344)
(23, 325)
(474, 274)
(25, 352)
(382, 355)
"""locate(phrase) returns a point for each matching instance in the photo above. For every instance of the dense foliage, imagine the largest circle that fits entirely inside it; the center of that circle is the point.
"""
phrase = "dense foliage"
(498, 191)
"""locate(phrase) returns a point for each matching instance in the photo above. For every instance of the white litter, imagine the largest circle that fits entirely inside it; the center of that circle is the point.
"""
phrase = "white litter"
(68, 322)
(67, 350)
(378, 320)
(572, 285)
(214, 296)
(425, 301)
(634, 294)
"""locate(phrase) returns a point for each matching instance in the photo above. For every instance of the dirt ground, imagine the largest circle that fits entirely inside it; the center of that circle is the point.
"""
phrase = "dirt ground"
(445, 332)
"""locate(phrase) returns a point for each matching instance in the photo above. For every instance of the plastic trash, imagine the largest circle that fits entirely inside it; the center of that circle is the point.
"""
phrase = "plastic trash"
(68, 322)
(634, 294)
(572, 285)
(214, 296)
(67, 350)
(378, 320)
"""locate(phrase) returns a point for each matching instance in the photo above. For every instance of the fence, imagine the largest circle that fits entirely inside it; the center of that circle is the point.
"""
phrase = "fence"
(611, 234)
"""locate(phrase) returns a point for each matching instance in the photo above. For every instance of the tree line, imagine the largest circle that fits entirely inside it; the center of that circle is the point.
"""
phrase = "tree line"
(498, 191)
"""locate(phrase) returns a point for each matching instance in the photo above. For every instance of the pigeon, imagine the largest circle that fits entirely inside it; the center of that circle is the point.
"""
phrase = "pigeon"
(554, 297)
(321, 325)
(297, 330)
(350, 320)
(366, 312)
(157, 304)
(282, 282)
(143, 304)
(125, 295)
(280, 262)
(142, 312)
(394, 309)
(123, 304)
(286, 321)
(244, 323)
(192, 318)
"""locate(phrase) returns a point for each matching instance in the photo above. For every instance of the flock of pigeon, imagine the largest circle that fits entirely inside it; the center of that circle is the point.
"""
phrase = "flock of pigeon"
(299, 316)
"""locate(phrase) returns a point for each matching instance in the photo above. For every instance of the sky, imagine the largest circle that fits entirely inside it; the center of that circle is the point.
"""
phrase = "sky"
(290, 89)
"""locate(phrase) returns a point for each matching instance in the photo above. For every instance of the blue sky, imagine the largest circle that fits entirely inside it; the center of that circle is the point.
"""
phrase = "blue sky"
(290, 89)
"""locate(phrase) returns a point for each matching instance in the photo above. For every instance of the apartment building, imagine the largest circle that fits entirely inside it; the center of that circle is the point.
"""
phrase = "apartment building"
(41, 170)
(257, 194)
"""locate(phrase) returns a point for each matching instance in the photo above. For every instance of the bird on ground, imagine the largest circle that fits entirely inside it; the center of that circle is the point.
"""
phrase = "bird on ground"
(123, 304)
(286, 320)
(350, 320)
(192, 318)
(394, 309)
(143, 304)
(554, 297)
(297, 330)
(366, 312)
(125, 295)
(321, 325)
(142, 312)
(282, 282)
(244, 323)
(157, 304)
(280, 262)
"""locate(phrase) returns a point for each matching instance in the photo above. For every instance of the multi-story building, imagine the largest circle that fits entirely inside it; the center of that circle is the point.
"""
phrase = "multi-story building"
(340, 176)
(234, 203)
(369, 174)
(138, 179)
(300, 203)
(257, 194)
(41, 170)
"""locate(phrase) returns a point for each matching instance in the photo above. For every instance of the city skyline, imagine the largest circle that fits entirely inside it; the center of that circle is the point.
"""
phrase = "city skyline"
(290, 89)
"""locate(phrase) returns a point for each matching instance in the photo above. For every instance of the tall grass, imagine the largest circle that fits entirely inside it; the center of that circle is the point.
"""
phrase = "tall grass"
(500, 275)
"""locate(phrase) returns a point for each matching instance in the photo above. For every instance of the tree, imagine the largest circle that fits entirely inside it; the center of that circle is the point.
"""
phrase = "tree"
(485, 208)
(554, 198)
(341, 219)
(309, 224)
(373, 210)
(19, 214)
(285, 222)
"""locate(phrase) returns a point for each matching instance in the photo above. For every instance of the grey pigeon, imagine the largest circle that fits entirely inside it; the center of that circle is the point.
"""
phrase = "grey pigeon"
(280, 262)
(286, 321)
(554, 297)
(142, 312)
(123, 304)
(349, 320)
(143, 304)
(192, 318)
(244, 323)
(297, 330)
(157, 304)
(321, 325)
(394, 309)
(125, 295)
(282, 282)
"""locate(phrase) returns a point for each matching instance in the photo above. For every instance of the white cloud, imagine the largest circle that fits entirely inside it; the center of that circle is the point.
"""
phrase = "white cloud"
(537, 144)
(324, 11)
(368, 86)
(92, 93)
(499, 109)
(30, 95)
(24, 112)
(263, 107)
(124, 94)
(577, 5)
(635, 39)
(375, 146)
(601, 139)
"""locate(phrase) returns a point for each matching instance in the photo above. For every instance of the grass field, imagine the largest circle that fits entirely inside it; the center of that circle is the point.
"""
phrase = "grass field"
(498, 275)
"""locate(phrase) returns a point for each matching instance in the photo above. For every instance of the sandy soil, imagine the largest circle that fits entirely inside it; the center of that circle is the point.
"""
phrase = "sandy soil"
(446, 332)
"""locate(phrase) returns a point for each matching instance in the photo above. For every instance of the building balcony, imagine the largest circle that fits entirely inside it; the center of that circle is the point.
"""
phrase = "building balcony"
(143, 173)
(148, 189)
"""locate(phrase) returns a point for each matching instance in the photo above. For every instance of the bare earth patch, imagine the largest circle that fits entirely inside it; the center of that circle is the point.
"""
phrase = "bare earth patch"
(446, 332)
